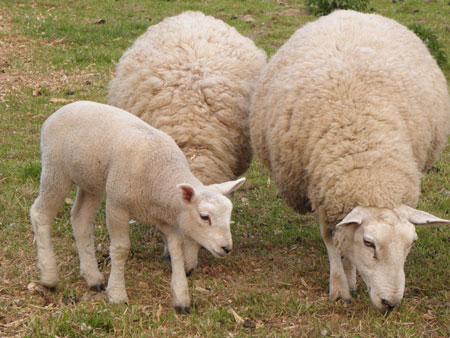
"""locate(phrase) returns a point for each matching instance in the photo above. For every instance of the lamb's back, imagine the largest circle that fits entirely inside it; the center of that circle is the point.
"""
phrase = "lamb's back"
(89, 141)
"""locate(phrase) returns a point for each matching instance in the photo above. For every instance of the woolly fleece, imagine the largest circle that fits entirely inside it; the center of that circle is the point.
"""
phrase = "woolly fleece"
(349, 112)
(192, 76)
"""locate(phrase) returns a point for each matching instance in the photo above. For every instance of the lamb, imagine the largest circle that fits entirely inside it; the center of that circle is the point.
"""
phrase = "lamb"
(105, 151)
(347, 115)
(192, 76)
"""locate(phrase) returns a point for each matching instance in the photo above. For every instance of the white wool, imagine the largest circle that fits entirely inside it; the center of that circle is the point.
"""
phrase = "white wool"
(348, 114)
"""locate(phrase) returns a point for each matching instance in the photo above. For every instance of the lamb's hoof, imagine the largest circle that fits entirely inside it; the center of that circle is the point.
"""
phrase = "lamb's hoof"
(347, 300)
(182, 310)
(98, 287)
(165, 256)
(189, 272)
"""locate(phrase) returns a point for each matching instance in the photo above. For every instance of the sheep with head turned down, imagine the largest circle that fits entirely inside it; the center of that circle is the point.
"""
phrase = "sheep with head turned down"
(192, 77)
(143, 174)
(347, 115)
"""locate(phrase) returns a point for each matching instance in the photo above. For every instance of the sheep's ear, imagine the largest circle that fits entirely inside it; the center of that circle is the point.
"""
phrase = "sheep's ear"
(230, 186)
(418, 217)
(187, 192)
(357, 216)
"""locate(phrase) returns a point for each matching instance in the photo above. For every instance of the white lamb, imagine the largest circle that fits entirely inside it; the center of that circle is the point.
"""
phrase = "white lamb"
(106, 151)
(192, 77)
(348, 114)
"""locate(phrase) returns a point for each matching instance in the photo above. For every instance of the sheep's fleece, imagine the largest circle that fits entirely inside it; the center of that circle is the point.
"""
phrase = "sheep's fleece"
(347, 115)
(105, 151)
(192, 76)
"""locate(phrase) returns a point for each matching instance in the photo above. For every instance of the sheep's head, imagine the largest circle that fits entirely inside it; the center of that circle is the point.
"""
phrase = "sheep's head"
(377, 241)
(206, 215)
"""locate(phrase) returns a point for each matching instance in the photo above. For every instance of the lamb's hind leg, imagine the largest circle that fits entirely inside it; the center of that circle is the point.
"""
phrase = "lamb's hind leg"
(82, 218)
(52, 191)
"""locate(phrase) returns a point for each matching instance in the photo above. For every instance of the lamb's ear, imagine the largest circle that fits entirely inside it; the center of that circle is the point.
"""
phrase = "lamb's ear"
(418, 217)
(357, 216)
(230, 186)
(187, 192)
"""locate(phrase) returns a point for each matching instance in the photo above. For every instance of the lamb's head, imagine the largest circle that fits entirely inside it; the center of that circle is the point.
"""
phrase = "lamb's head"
(377, 241)
(206, 215)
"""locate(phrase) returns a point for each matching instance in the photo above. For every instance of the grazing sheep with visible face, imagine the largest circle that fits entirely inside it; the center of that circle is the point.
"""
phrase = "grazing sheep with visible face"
(347, 115)
(143, 174)
(192, 77)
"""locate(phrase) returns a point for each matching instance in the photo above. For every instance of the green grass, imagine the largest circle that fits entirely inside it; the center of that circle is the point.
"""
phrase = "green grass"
(54, 52)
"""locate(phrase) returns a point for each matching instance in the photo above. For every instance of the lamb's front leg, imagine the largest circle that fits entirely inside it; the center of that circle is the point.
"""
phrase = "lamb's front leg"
(179, 285)
(118, 227)
(191, 249)
(339, 288)
(83, 216)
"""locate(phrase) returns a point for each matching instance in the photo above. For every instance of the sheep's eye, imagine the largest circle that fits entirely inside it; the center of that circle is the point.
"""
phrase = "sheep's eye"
(206, 218)
(369, 243)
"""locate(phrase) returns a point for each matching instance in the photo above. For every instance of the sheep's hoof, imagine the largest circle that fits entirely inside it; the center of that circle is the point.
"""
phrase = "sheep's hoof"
(189, 272)
(165, 256)
(50, 288)
(347, 300)
(183, 310)
(98, 287)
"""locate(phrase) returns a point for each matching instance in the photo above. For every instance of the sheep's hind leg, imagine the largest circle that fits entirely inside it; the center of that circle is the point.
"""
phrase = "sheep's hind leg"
(179, 285)
(339, 288)
(52, 191)
(117, 221)
(82, 218)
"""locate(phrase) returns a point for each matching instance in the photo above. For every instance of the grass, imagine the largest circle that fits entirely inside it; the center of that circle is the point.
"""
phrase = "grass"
(276, 279)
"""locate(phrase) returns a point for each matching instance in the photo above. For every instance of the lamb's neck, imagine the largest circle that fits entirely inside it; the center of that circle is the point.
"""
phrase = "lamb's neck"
(157, 196)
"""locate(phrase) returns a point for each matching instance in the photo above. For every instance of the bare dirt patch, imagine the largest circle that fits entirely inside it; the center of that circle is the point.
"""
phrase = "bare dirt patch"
(19, 69)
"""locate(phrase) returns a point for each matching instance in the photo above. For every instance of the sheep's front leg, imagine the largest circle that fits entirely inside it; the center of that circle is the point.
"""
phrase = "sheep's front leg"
(339, 288)
(82, 217)
(179, 285)
(118, 227)
(191, 249)
(350, 272)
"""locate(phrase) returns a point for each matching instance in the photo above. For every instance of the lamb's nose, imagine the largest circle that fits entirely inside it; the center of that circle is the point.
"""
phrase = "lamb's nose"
(226, 249)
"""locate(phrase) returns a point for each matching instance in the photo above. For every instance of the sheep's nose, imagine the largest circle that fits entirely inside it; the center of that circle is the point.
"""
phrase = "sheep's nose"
(389, 305)
(226, 249)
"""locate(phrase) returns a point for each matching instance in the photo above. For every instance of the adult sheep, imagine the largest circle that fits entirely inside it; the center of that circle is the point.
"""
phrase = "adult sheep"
(192, 77)
(347, 115)
(106, 151)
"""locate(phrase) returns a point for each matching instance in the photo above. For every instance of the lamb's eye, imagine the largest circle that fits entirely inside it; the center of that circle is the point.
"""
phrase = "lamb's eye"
(206, 218)
(369, 243)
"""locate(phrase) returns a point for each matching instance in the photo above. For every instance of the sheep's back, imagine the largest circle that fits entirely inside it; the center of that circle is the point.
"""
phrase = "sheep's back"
(343, 72)
(192, 76)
